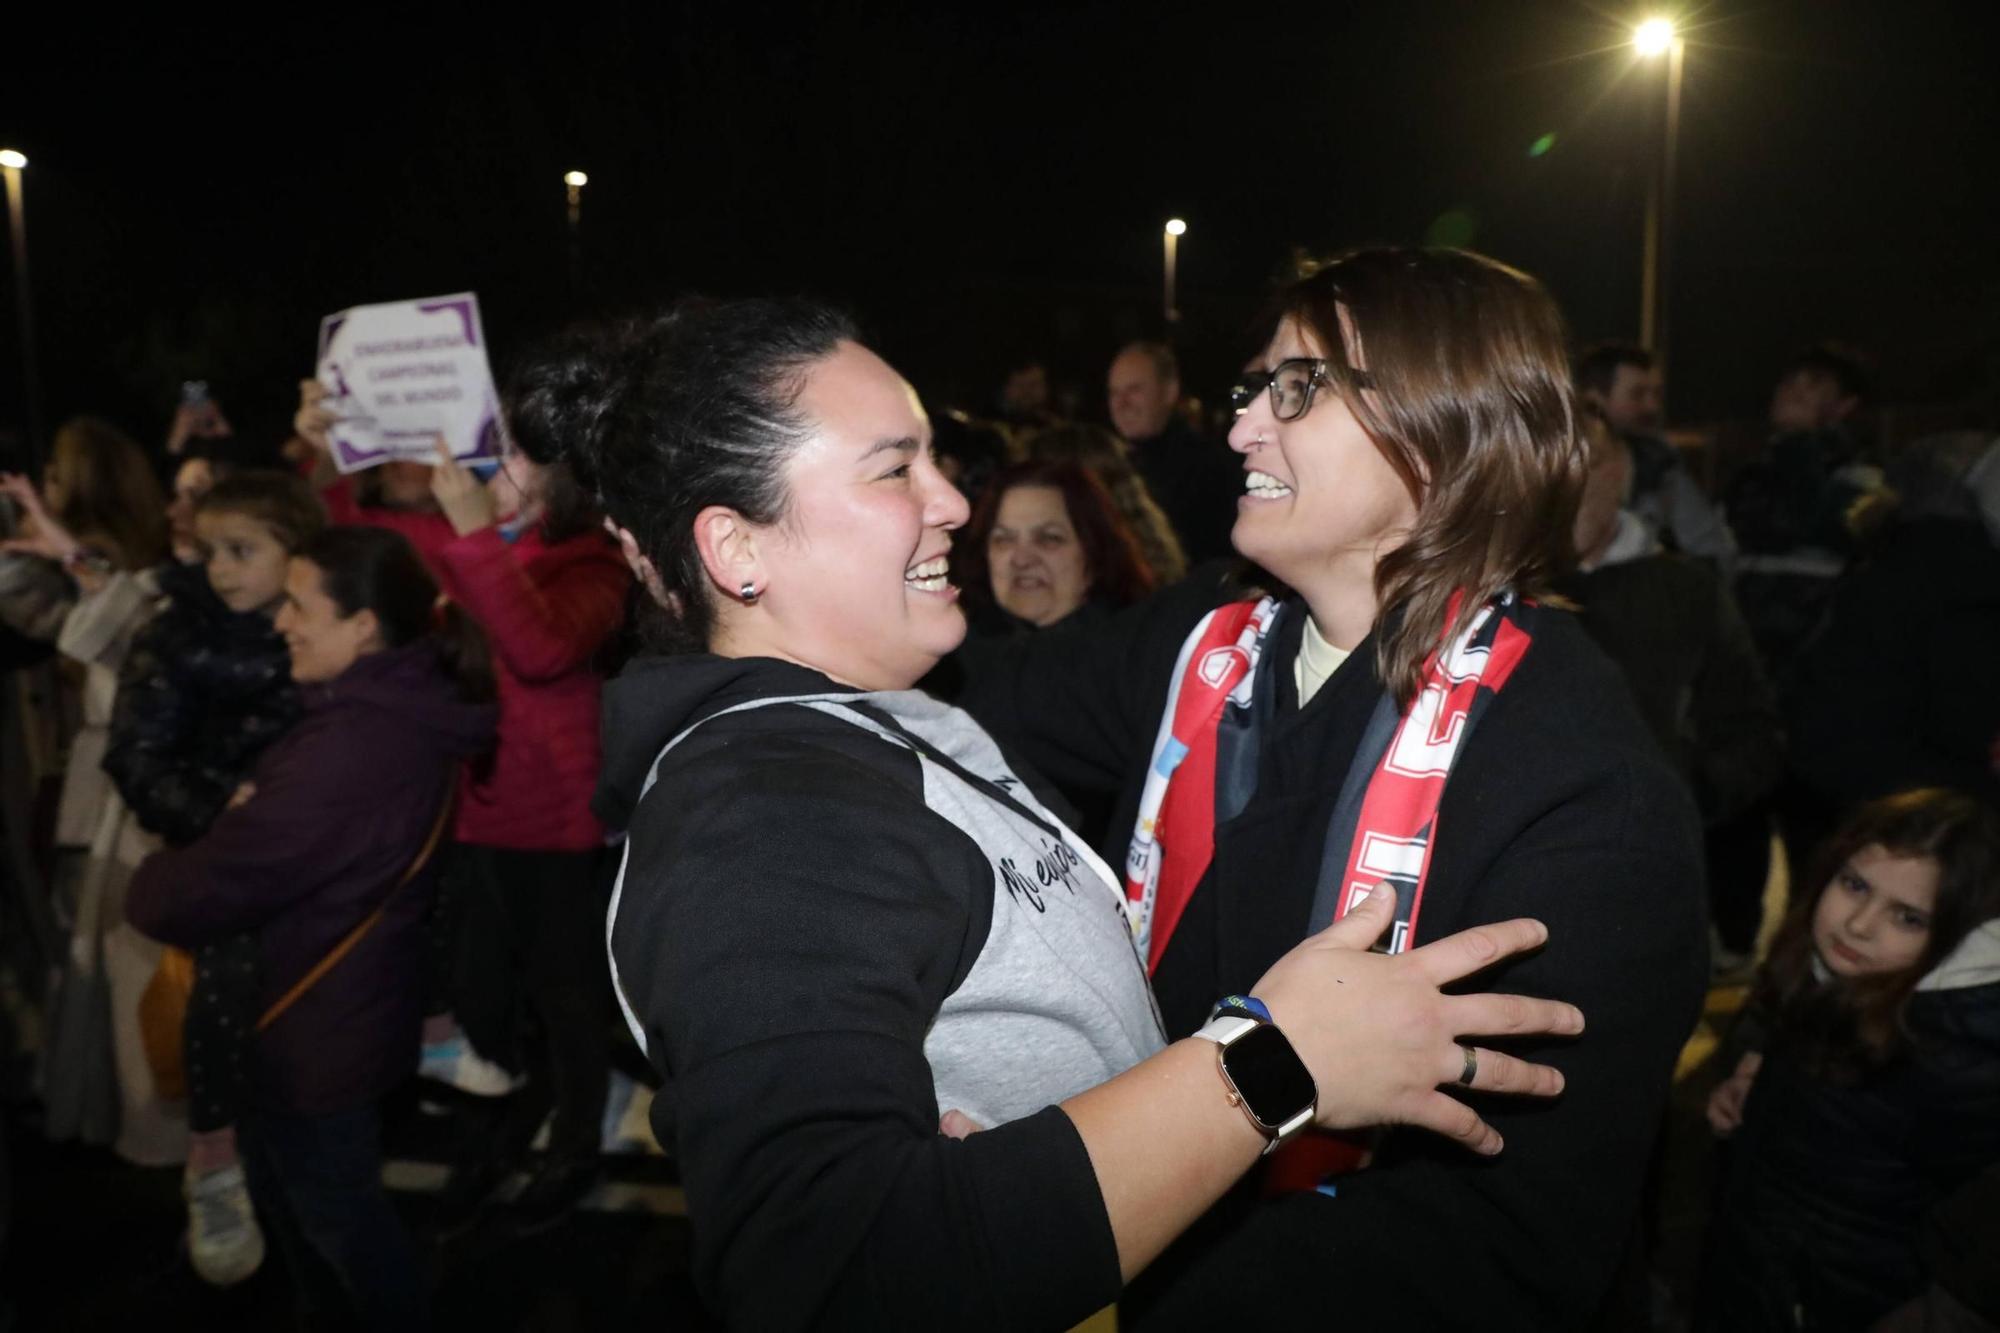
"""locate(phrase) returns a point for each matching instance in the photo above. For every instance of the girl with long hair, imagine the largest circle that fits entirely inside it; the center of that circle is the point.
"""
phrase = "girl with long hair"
(1868, 1086)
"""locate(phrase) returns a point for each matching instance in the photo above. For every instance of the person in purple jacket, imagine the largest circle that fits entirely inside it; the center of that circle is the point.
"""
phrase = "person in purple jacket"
(318, 847)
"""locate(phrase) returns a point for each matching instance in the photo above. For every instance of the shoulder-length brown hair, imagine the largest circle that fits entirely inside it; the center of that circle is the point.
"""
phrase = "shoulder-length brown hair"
(1843, 1030)
(1457, 367)
(111, 498)
(1118, 573)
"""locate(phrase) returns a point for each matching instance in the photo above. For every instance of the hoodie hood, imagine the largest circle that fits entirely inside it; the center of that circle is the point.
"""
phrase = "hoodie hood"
(411, 684)
(656, 698)
(1975, 962)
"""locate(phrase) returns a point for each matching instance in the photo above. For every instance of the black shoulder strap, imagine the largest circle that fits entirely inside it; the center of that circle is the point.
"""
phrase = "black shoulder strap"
(958, 770)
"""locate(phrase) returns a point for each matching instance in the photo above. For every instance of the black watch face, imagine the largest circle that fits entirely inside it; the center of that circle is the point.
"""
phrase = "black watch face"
(1269, 1075)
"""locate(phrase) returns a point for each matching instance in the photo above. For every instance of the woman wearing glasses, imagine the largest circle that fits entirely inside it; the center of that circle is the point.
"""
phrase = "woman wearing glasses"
(1399, 709)
(846, 921)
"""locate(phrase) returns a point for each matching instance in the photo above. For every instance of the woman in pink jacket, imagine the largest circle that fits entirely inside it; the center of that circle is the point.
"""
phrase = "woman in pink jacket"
(529, 986)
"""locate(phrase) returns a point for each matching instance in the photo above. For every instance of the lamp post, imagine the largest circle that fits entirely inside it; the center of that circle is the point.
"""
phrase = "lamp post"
(1170, 242)
(574, 181)
(12, 164)
(1654, 38)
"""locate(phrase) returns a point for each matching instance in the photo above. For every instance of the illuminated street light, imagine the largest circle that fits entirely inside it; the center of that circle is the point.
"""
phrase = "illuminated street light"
(1654, 37)
(11, 165)
(1170, 240)
(1657, 37)
(573, 182)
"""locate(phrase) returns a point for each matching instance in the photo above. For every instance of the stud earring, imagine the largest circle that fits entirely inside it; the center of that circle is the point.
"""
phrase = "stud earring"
(749, 594)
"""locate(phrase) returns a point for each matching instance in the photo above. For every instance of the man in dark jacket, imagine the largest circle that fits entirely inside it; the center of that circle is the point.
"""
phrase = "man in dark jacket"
(1794, 507)
(1896, 692)
(1672, 627)
(1195, 480)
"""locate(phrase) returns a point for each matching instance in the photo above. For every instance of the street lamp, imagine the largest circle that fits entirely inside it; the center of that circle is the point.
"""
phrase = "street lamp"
(12, 163)
(1170, 240)
(574, 181)
(1652, 39)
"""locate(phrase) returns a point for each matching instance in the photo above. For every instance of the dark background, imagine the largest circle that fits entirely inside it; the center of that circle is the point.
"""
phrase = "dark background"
(985, 185)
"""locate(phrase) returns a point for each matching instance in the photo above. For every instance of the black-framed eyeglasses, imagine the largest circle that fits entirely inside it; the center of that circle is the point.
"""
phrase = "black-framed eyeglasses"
(1292, 384)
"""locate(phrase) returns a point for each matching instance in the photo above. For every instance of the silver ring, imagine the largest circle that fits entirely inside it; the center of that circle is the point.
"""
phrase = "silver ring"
(1471, 1070)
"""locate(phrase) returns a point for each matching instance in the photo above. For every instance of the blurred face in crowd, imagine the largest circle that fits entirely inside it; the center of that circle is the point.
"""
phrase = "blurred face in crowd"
(1026, 392)
(1320, 501)
(1875, 917)
(55, 481)
(192, 480)
(1810, 400)
(1603, 490)
(406, 485)
(1037, 564)
(518, 488)
(246, 562)
(1636, 401)
(852, 580)
(322, 642)
(1142, 400)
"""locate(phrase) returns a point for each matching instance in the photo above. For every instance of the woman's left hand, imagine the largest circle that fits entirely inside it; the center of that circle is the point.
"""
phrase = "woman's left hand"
(463, 497)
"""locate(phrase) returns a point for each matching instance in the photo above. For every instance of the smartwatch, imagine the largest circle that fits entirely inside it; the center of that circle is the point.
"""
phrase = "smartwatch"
(1263, 1073)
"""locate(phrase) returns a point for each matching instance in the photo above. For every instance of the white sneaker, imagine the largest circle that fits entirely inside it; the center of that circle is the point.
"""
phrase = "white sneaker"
(453, 1061)
(225, 1244)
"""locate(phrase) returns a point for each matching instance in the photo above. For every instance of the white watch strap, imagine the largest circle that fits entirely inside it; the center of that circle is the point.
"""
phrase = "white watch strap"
(1226, 1028)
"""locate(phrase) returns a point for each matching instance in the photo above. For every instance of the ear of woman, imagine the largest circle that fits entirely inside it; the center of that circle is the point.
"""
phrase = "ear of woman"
(729, 552)
(643, 569)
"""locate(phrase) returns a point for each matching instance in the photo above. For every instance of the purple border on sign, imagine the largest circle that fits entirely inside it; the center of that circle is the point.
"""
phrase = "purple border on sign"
(463, 308)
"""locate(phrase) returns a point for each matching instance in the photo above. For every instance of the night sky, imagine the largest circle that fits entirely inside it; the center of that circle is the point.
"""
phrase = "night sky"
(991, 186)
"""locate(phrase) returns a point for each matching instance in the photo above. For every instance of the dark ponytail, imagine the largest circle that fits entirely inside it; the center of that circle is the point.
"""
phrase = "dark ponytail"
(657, 419)
(376, 569)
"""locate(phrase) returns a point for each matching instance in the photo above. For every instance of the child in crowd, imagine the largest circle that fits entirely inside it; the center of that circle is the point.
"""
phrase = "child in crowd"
(206, 687)
(1868, 1090)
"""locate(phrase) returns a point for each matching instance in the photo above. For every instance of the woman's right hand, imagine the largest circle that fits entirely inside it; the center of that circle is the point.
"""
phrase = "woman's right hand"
(1725, 1104)
(312, 420)
(1380, 1037)
(40, 535)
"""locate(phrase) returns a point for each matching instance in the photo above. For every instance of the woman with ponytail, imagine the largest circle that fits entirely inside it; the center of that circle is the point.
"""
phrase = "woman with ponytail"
(525, 976)
(324, 859)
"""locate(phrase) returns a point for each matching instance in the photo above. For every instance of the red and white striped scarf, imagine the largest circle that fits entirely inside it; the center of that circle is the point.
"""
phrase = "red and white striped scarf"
(1385, 823)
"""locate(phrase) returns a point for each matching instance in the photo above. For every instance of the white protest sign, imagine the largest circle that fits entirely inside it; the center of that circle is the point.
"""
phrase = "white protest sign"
(401, 374)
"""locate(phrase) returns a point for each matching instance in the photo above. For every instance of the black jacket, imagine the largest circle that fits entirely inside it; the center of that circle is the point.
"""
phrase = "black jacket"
(200, 695)
(1196, 481)
(1828, 1184)
(1897, 690)
(1673, 629)
(790, 919)
(1560, 808)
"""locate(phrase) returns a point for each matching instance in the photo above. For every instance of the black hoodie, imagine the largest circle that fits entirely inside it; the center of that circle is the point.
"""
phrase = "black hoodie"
(818, 937)
(200, 695)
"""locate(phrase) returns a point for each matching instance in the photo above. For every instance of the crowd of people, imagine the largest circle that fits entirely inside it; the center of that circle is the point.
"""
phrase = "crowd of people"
(1172, 859)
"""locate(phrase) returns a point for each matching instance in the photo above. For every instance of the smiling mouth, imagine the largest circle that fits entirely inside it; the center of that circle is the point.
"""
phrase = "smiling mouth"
(933, 575)
(1264, 486)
